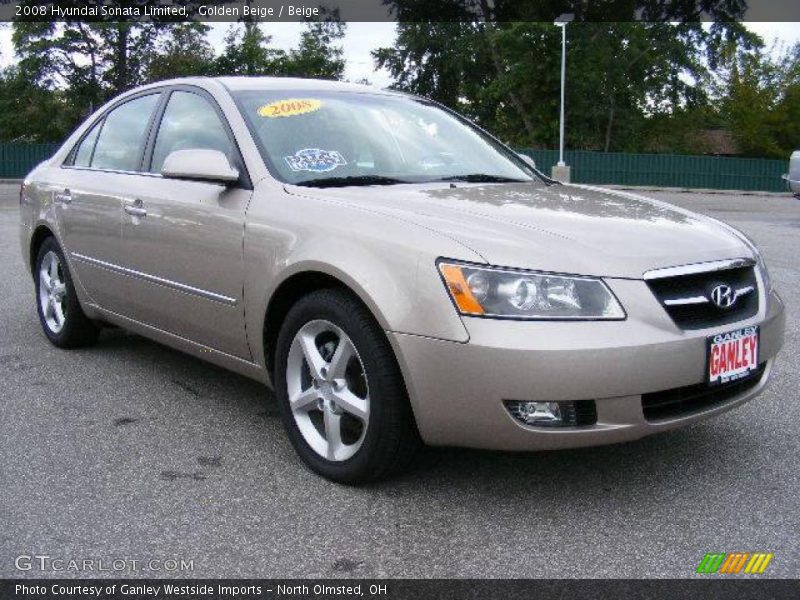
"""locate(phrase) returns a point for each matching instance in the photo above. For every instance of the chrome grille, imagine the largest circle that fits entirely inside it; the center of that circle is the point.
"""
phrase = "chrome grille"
(692, 295)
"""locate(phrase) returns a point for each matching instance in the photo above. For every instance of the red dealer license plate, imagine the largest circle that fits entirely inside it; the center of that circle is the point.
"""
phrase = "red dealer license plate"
(732, 355)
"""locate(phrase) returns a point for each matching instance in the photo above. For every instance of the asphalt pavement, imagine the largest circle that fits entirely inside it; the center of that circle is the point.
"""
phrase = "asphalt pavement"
(131, 451)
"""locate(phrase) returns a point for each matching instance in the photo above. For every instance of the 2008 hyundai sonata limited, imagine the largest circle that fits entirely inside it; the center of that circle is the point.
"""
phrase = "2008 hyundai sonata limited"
(395, 273)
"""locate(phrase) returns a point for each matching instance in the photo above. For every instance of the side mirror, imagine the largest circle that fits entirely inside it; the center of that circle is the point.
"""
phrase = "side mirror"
(527, 160)
(199, 165)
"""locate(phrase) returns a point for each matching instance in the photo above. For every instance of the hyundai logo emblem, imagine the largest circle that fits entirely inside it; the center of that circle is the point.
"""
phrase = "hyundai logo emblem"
(723, 296)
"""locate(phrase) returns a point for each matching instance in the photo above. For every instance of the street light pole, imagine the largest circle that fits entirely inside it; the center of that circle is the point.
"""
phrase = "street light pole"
(563, 26)
(562, 171)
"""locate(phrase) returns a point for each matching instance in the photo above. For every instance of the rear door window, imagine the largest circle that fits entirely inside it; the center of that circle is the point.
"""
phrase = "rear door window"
(121, 140)
(83, 155)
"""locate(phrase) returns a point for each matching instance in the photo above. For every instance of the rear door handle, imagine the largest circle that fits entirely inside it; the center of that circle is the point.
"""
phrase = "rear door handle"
(64, 197)
(136, 209)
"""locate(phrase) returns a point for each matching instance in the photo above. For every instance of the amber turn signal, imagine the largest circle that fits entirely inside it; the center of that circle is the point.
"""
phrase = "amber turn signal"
(459, 290)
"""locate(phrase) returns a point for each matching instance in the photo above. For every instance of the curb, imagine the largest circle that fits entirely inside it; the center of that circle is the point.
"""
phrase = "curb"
(676, 190)
(10, 181)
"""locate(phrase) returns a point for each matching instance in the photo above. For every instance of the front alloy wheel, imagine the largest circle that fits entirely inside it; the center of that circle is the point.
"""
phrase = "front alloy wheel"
(340, 390)
(328, 390)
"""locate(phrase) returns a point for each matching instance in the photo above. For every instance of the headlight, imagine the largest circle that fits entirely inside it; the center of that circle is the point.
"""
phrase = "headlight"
(507, 293)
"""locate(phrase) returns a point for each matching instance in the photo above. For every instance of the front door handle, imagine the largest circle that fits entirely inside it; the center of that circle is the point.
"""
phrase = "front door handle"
(64, 197)
(136, 209)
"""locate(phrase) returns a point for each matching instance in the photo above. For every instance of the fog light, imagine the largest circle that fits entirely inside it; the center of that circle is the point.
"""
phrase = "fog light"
(537, 413)
(564, 413)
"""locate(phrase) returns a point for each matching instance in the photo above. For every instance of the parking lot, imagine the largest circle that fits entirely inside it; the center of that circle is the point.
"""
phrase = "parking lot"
(130, 450)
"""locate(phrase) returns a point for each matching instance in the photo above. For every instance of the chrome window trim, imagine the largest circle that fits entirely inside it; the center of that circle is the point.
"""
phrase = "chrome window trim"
(113, 171)
(181, 287)
(697, 268)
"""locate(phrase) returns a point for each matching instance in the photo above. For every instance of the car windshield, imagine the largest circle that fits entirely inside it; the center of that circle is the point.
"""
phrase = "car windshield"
(339, 139)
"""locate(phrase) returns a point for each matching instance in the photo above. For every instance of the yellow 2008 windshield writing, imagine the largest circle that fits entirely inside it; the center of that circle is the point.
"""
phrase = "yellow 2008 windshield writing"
(289, 108)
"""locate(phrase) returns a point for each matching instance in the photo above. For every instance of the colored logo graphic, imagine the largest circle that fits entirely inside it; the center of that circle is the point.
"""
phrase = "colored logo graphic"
(315, 160)
(735, 562)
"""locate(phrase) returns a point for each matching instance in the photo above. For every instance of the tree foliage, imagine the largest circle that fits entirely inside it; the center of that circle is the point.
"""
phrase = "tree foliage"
(507, 76)
(638, 86)
(65, 71)
(318, 54)
(94, 61)
(633, 86)
(760, 100)
(248, 52)
(29, 112)
(184, 52)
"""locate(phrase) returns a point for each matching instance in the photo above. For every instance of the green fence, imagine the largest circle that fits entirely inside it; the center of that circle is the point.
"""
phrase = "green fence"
(668, 170)
(17, 159)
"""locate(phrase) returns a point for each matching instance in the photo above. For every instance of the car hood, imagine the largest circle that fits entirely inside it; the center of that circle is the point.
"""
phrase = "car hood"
(560, 228)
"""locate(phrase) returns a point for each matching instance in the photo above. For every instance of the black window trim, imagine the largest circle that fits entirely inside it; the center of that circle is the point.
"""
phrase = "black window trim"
(101, 121)
(244, 181)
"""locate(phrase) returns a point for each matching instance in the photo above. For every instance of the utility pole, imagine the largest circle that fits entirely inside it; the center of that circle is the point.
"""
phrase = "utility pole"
(561, 171)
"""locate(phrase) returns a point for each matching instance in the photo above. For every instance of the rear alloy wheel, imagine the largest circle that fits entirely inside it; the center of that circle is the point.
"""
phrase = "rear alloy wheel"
(341, 392)
(60, 314)
(52, 292)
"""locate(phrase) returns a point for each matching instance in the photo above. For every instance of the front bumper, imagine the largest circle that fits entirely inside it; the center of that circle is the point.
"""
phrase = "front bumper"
(457, 389)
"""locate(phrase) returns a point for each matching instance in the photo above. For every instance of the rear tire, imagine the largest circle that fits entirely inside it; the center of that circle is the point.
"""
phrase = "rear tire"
(60, 314)
(349, 418)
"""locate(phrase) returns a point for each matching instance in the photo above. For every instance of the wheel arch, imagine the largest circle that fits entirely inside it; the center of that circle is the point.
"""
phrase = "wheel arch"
(39, 235)
(294, 286)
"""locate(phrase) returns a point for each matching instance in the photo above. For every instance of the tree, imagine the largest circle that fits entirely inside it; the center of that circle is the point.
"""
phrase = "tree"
(95, 61)
(787, 109)
(318, 54)
(505, 73)
(247, 52)
(183, 51)
(30, 112)
(760, 100)
(432, 59)
(67, 70)
(626, 74)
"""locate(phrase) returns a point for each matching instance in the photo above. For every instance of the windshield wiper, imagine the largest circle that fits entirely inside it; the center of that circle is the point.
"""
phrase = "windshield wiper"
(350, 180)
(482, 178)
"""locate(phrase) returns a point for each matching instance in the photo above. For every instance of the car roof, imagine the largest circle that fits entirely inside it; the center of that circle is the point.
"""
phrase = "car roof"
(242, 83)
(291, 83)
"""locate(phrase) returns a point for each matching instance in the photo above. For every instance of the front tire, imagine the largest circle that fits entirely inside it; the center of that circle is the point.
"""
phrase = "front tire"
(60, 314)
(342, 395)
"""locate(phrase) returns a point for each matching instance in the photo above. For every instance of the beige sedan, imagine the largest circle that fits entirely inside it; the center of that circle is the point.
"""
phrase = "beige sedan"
(396, 274)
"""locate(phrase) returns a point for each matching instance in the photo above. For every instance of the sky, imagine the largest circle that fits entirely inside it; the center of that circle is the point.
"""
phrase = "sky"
(363, 37)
